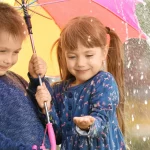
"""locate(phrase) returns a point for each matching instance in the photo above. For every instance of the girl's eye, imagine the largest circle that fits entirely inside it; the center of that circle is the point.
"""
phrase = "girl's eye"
(71, 57)
(89, 55)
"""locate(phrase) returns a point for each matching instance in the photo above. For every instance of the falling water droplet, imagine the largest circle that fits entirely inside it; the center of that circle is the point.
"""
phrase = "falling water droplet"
(144, 139)
(146, 102)
(146, 92)
(129, 63)
(141, 77)
(132, 117)
(137, 127)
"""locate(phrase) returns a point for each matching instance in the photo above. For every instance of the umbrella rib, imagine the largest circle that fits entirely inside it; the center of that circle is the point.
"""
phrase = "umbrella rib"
(18, 2)
(31, 2)
(57, 1)
(38, 13)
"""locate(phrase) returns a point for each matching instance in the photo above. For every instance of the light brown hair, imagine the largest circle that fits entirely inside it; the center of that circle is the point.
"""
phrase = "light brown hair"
(12, 22)
(81, 29)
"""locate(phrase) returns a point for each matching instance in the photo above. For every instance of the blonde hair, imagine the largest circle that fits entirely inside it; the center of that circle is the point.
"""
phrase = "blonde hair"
(12, 22)
(92, 33)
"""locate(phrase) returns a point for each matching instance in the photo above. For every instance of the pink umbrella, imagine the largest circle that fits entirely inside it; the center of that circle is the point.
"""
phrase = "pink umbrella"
(116, 14)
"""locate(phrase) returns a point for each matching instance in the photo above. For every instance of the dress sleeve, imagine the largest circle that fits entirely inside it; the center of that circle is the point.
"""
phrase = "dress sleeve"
(104, 100)
(55, 117)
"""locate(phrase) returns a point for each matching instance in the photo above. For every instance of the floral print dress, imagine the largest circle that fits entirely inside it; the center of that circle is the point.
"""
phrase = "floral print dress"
(97, 97)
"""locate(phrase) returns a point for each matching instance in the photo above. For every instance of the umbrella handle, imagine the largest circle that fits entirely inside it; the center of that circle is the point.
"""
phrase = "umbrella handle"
(45, 105)
(52, 140)
(49, 125)
(51, 135)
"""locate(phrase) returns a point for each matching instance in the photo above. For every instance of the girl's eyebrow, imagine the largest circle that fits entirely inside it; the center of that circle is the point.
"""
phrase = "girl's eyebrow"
(69, 52)
(89, 51)
(74, 52)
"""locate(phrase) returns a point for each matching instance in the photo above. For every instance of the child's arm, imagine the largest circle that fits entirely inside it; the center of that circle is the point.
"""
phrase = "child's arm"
(37, 66)
(104, 101)
(7, 144)
(41, 94)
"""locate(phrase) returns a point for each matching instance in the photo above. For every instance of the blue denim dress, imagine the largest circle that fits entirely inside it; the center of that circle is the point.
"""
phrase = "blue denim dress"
(97, 97)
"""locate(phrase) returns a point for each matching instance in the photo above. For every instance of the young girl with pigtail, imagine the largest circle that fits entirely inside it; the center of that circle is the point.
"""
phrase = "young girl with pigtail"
(85, 101)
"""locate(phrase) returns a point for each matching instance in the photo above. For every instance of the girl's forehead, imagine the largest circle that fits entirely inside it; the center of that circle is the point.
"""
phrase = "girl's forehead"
(83, 49)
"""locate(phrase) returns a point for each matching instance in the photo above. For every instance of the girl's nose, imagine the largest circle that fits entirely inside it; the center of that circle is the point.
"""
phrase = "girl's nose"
(80, 62)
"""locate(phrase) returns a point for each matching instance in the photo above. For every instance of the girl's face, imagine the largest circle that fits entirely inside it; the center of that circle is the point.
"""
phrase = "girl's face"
(84, 63)
(9, 49)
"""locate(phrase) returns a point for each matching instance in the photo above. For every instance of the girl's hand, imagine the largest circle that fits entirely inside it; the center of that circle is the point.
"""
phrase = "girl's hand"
(42, 95)
(37, 66)
(84, 122)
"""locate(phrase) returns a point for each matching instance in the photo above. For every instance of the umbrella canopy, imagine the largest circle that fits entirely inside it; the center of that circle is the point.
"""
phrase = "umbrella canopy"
(116, 14)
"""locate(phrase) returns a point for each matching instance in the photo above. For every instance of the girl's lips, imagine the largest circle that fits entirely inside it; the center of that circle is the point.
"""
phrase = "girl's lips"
(82, 71)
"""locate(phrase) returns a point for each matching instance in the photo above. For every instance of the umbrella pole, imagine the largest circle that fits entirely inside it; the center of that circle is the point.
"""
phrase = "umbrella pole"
(49, 126)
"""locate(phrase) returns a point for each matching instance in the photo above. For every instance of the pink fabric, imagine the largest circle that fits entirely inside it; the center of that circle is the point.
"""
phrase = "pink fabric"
(51, 135)
(112, 13)
(125, 9)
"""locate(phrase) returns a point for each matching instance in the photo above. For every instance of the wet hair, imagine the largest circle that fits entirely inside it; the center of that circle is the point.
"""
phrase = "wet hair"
(92, 33)
(12, 22)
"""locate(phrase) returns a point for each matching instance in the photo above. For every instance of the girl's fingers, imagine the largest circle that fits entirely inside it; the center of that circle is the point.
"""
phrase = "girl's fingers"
(86, 120)
(42, 95)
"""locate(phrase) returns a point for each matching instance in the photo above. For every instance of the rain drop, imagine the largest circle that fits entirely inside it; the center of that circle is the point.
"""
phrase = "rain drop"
(24, 32)
(144, 139)
(146, 92)
(132, 77)
(148, 41)
(146, 102)
(89, 38)
(127, 93)
(132, 118)
(137, 127)
(128, 66)
(89, 1)
(142, 77)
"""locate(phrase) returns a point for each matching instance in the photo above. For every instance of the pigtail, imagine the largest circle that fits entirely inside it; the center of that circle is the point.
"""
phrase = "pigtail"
(58, 54)
(115, 67)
